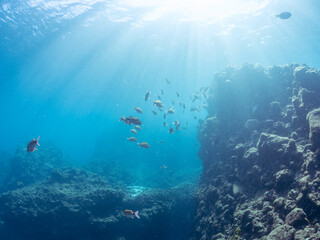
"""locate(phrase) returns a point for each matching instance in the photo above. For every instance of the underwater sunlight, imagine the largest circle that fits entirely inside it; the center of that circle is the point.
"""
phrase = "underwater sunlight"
(163, 120)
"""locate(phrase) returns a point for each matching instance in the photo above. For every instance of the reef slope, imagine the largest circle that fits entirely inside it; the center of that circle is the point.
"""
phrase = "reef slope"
(260, 154)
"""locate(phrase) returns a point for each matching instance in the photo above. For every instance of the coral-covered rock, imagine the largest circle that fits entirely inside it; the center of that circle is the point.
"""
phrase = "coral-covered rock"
(253, 124)
(75, 204)
(284, 232)
(296, 217)
(69, 202)
(274, 146)
(258, 143)
(283, 179)
(307, 77)
(27, 168)
(313, 118)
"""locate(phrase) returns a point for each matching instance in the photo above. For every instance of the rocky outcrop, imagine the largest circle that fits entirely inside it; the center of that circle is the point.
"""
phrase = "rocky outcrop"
(28, 168)
(260, 168)
(313, 118)
(69, 202)
(76, 204)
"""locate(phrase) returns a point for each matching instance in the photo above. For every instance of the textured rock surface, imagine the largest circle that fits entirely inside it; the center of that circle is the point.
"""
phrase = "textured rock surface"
(27, 168)
(75, 204)
(260, 168)
(313, 118)
(296, 217)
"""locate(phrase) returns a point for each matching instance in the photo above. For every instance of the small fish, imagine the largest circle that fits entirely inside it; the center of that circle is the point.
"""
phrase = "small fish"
(206, 89)
(172, 102)
(195, 109)
(158, 103)
(32, 145)
(171, 130)
(138, 110)
(184, 106)
(130, 120)
(138, 128)
(144, 145)
(147, 96)
(180, 104)
(167, 81)
(161, 141)
(170, 110)
(177, 124)
(159, 97)
(154, 112)
(131, 214)
(195, 97)
(164, 167)
(132, 139)
(165, 124)
(284, 15)
(164, 116)
(162, 92)
(178, 95)
(307, 220)
(133, 131)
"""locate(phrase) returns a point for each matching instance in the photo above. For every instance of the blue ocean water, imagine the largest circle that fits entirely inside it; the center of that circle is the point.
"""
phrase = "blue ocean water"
(70, 69)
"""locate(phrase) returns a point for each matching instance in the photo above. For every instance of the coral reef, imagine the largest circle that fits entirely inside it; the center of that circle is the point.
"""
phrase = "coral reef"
(260, 153)
(27, 168)
(76, 204)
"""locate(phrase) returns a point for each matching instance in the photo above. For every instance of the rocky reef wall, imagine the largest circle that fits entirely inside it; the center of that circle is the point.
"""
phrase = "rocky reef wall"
(260, 153)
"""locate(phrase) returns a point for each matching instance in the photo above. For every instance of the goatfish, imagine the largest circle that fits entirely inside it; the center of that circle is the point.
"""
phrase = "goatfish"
(131, 214)
(32, 145)
(133, 131)
(144, 145)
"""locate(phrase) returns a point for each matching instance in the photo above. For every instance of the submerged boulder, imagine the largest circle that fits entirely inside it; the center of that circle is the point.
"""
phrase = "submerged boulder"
(283, 232)
(296, 217)
(253, 124)
(283, 179)
(308, 78)
(313, 118)
(275, 148)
